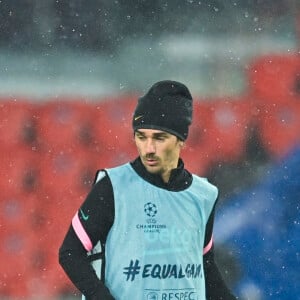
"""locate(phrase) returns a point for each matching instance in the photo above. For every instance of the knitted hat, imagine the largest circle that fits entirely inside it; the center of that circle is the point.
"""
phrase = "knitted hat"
(167, 106)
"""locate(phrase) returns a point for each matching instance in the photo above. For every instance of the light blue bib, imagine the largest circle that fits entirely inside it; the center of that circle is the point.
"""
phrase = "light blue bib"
(154, 250)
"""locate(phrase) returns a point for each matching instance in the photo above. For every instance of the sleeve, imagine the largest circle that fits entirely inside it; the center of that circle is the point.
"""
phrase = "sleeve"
(95, 217)
(90, 224)
(216, 288)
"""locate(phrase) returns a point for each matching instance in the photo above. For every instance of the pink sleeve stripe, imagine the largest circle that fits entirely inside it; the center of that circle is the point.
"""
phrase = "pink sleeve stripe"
(208, 246)
(82, 235)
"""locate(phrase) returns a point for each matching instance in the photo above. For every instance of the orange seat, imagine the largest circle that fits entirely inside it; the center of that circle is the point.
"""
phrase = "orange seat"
(279, 128)
(64, 123)
(275, 77)
(17, 126)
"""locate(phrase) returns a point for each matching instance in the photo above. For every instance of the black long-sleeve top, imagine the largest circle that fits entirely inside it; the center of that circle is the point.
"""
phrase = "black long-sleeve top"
(99, 205)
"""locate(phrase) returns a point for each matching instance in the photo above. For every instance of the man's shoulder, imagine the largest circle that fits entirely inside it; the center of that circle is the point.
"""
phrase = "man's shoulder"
(204, 183)
(105, 173)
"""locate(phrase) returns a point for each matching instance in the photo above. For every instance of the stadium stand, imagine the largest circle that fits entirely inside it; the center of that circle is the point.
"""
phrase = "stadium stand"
(52, 151)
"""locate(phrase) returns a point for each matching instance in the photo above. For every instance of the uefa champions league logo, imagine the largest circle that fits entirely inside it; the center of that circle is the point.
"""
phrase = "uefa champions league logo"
(150, 221)
(150, 209)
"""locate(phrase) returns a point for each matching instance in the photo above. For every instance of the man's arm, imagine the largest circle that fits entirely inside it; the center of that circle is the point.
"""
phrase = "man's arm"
(73, 259)
(95, 218)
(216, 289)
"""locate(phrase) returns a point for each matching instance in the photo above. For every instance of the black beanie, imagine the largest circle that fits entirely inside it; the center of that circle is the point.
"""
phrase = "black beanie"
(167, 106)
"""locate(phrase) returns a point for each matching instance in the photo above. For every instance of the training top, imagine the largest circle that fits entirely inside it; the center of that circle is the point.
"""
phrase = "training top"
(93, 224)
(157, 237)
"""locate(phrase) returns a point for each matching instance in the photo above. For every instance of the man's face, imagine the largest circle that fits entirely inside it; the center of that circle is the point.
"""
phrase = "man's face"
(159, 151)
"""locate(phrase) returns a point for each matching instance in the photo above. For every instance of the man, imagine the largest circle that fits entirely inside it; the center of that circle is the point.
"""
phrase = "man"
(146, 226)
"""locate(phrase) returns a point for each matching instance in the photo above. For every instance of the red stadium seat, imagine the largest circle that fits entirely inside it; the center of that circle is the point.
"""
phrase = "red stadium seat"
(64, 123)
(113, 132)
(275, 77)
(19, 242)
(279, 128)
(19, 170)
(29, 260)
(44, 280)
(196, 153)
(68, 171)
(19, 210)
(195, 161)
(16, 123)
(222, 125)
(47, 281)
(30, 246)
(19, 250)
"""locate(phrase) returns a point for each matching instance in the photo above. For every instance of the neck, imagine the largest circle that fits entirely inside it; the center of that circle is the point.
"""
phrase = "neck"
(166, 176)
(167, 173)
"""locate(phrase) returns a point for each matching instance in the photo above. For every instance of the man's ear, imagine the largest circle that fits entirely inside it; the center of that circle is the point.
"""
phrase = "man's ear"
(181, 144)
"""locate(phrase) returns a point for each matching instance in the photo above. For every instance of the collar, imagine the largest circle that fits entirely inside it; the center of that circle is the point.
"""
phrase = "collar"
(180, 178)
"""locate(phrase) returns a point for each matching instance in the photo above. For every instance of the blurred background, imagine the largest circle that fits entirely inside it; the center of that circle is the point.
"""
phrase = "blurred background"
(70, 74)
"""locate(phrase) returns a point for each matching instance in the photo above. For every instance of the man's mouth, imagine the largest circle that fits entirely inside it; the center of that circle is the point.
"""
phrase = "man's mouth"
(151, 161)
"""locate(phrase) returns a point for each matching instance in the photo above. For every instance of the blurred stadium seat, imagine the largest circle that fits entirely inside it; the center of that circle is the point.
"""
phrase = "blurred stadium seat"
(19, 170)
(17, 126)
(48, 281)
(113, 134)
(279, 127)
(32, 229)
(19, 241)
(275, 77)
(222, 129)
(18, 210)
(59, 207)
(69, 171)
(113, 129)
(196, 161)
(196, 154)
(66, 178)
(64, 123)
(19, 250)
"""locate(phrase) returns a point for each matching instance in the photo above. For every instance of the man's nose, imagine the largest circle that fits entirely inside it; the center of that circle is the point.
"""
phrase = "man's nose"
(150, 146)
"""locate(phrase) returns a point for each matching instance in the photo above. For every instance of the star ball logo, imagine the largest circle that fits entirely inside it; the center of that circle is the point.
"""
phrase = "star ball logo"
(150, 225)
(150, 209)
